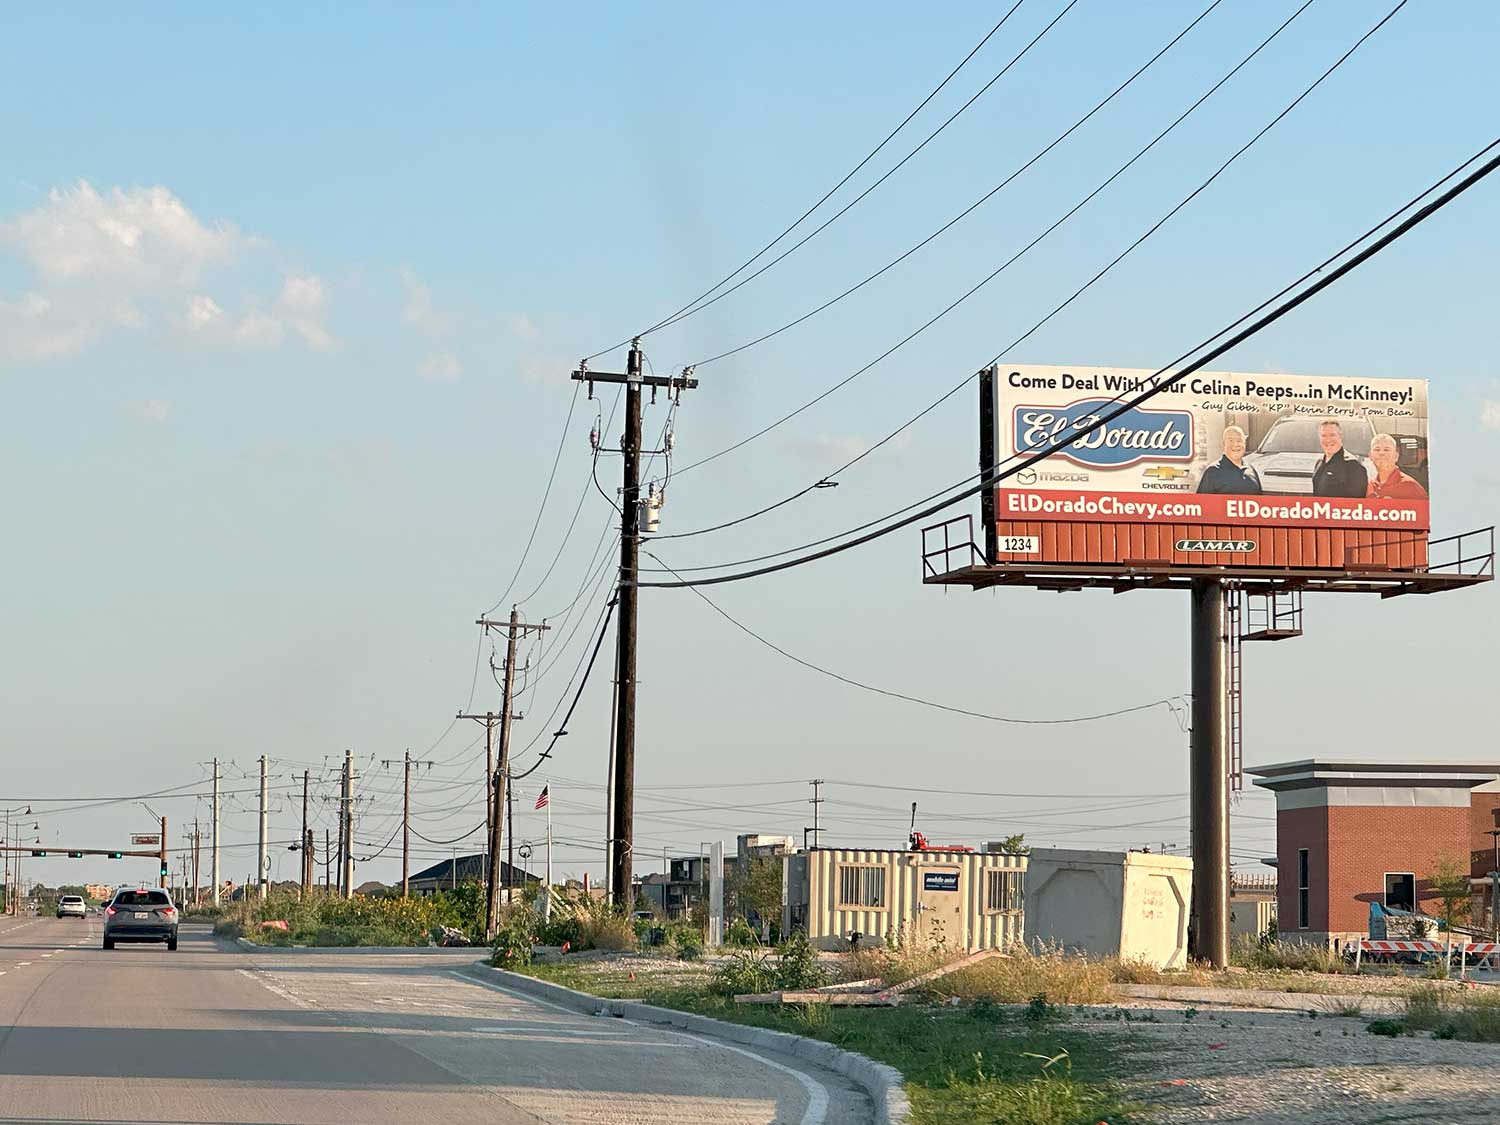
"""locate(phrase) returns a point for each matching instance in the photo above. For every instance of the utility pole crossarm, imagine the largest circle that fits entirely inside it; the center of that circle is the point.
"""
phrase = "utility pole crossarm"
(685, 381)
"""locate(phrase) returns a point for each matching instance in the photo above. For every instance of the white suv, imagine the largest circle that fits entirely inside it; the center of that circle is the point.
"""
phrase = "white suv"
(71, 906)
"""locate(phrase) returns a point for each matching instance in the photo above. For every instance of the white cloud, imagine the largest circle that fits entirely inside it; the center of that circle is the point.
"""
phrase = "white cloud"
(136, 260)
(1489, 414)
(150, 410)
(830, 447)
(203, 312)
(524, 328)
(301, 305)
(443, 367)
(418, 311)
(130, 235)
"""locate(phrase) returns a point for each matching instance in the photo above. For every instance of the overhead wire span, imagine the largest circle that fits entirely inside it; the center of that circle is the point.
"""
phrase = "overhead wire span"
(542, 507)
(457, 839)
(837, 215)
(583, 683)
(1020, 462)
(981, 201)
(828, 194)
(1005, 265)
(1313, 272)
(810, 666)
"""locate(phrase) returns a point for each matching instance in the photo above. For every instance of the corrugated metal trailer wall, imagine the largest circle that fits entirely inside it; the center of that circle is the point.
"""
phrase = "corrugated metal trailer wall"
(1296, 547)
(969, 900)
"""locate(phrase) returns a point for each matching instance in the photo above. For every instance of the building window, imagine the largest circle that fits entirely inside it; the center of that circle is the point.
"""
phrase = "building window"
(1003, 891)
(1302, 889)
(861, 887)
(1401, 891)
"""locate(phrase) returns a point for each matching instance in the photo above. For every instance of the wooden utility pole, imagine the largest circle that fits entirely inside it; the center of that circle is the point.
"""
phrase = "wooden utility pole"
(622, 787)
(163, 853)
(510, 841)
(406, 826)
(197, 847)
(489, 719)
(263, 861)
(327, 861)
(213, 862)
(307, 863)
(514, 630)
(346, 822)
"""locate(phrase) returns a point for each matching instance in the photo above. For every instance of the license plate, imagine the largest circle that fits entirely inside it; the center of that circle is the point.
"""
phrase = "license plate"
(141, 914)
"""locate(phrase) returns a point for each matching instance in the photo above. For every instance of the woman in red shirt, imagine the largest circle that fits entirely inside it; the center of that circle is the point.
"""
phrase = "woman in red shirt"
(1390, 483)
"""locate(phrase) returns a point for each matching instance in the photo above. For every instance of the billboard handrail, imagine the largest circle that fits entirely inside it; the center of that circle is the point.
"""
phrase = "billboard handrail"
(953, 540)
(1481, 540)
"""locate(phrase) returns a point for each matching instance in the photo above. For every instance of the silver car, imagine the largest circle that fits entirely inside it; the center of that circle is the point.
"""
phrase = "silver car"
(146, 914)
(71, 906)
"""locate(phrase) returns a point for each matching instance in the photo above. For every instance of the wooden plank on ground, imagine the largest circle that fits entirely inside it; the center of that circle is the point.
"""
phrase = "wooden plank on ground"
(942, 971)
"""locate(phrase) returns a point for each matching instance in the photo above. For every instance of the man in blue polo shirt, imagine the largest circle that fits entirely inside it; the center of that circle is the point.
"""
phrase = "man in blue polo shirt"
(1229, 474)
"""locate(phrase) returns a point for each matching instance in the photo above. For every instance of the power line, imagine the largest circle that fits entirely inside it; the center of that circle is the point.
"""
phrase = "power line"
(855, 201)
(962, 298)
(1169, 703)
(1314, 271)
(977, 203)
(1157, 388)
(541, 508)
(827, 195)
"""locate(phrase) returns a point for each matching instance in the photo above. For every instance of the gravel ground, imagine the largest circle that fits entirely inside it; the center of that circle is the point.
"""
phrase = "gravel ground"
(1280, 1068)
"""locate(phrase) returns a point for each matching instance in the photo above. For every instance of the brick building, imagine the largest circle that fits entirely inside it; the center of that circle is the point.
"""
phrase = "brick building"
(1352, 833)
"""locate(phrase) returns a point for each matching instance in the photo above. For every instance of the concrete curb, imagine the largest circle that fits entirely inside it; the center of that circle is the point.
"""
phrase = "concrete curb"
(1323, 1003)
(884, 1084)
(386, 950)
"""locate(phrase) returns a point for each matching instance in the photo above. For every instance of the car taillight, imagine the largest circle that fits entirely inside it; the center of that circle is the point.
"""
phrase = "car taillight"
(169, 911)
(110, 910)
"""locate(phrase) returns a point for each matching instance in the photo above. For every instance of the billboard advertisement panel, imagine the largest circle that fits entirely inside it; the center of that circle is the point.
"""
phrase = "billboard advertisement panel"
(1219, 461)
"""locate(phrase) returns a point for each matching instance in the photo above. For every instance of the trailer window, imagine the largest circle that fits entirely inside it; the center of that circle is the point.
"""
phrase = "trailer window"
(861, 886)
(1003, 891)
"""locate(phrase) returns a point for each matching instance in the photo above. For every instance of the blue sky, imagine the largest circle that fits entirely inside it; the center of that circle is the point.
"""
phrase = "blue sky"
(288, 302)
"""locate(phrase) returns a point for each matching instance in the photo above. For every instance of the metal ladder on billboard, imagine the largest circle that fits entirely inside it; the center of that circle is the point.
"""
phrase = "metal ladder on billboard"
(1274, 615)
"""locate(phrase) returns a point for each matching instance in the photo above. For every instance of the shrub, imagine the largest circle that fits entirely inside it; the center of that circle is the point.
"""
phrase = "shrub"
(749, 970)
(609, 932)
(741, 933)
(797, 965)
(1392, 1028)
(512, 945)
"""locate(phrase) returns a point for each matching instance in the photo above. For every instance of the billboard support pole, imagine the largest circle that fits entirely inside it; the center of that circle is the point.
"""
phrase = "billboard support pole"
(1208, 920)
(988, 457)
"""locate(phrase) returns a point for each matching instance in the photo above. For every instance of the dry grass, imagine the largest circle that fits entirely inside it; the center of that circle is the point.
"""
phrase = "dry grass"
(1022, 976)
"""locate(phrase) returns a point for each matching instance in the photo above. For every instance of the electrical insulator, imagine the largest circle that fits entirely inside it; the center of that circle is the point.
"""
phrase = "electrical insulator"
(671, 440)
(651, 510)
(594, 439)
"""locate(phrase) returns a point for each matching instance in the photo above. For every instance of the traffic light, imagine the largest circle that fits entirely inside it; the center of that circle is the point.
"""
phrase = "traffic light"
(163, 869)
(116, 855)
(39, 853)
(75, 855)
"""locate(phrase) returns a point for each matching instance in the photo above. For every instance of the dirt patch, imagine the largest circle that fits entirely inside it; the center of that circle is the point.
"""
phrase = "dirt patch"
(1275, 1068)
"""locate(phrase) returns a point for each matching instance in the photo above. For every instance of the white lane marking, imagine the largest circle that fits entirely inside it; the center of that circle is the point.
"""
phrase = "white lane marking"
(543, 1029)
(817, 1093)
(271, 986)
(22, 964)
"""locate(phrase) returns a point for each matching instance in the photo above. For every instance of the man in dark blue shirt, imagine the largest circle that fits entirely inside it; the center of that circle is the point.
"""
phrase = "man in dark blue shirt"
(1229, 474)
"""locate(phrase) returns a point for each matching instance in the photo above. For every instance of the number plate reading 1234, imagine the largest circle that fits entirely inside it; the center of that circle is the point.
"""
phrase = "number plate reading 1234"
(1019, 545)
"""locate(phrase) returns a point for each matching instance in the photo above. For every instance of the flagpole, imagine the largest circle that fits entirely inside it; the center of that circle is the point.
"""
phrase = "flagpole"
(547, 890)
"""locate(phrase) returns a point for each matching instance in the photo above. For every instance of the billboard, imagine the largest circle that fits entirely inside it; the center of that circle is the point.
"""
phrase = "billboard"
(1215, 465)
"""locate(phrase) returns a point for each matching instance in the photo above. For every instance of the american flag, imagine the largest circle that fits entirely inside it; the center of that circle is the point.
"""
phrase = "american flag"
(541, 802)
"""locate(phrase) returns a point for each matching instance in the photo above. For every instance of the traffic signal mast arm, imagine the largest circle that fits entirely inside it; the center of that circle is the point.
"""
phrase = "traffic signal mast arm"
(112, 853)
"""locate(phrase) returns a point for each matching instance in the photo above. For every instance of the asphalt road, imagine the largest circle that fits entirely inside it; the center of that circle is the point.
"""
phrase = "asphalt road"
(210, 1034)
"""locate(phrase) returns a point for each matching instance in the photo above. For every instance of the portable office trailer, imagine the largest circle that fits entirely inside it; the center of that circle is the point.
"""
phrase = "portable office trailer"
(1133, 905)
(968, 900)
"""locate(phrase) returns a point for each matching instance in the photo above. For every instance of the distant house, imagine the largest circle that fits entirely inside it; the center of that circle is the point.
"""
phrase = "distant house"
(466, 869)
(372, 888)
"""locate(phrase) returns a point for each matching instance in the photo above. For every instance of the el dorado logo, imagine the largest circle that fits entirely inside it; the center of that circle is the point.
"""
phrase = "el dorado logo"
(1216, 546)
(1135, 435)
(1165, 472)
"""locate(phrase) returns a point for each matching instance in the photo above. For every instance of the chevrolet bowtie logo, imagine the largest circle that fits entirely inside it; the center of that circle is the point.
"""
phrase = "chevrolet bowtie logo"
(1165, 472)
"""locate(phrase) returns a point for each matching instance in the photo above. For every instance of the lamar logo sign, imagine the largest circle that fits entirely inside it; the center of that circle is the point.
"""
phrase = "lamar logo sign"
(1216, 546)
